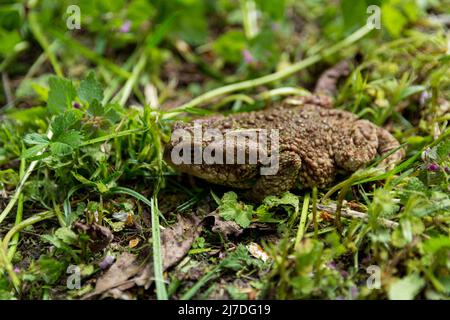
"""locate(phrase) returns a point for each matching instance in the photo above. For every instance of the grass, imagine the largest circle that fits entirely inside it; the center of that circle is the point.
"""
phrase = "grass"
(86, 114)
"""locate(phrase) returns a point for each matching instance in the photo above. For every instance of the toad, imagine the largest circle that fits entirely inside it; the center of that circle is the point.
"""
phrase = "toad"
(315, 142)
(300, 140)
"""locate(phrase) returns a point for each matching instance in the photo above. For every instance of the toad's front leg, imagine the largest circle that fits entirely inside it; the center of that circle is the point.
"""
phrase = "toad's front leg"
(289, 164)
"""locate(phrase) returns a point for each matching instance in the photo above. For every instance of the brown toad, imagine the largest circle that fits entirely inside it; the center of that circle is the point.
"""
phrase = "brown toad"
(315, 142)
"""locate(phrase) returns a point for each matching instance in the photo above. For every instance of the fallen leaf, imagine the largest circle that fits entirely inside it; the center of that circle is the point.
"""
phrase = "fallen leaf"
(126, 272)
(124, 268)
(177, 240)
(145, 276)
(175, 244)
(252, 294)
(220, 225)
(118, 294)
(133, 242)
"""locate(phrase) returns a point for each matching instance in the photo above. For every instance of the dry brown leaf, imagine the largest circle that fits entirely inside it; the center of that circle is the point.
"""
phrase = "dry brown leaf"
(125, 267)
(126, 272)
(220, 225)
(177, 240)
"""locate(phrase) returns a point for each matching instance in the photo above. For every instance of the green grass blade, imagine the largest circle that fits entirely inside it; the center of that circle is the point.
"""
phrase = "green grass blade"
(112, 136)
(200, 283)
(42, 40)
(302, 224)
(161, 291)
(90, 55)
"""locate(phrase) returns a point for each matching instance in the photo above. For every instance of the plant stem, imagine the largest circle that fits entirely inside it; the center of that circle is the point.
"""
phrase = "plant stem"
(21, 185)
(59, 214)
(233, 97)
(249, 16)
(302, 224)
(340, 200)
(115, 82)
(133, 79)
(284, 91)
(321, 231)
(112, 136)
(18, 49)
(314, 211)
(357, 35)
(348, 213)
(18, 191)
(19, 214)
(25, 223)
(5, 263)
(39, 62)
(43, 42)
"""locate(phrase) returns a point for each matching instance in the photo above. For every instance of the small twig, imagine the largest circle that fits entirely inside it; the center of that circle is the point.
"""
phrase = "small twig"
(349, 213)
